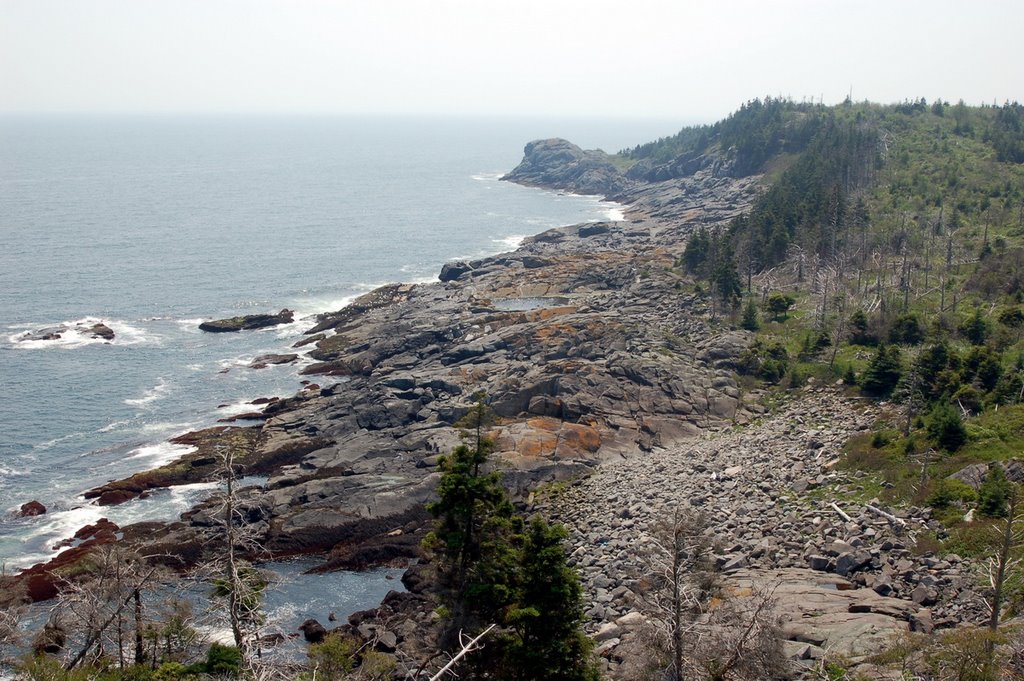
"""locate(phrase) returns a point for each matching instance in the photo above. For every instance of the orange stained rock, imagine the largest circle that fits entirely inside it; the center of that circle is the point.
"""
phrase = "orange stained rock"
(558, 331)
(544, 436)
(545, 313)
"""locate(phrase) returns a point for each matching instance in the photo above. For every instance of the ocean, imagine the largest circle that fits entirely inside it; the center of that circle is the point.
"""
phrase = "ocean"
(151, 224)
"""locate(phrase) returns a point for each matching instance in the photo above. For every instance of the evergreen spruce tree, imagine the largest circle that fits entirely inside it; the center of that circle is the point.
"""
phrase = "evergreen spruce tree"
(492, 569)
(859, 333)
(975, 329)
(473, 536)
(779, 305)
(727, 282)
(946, 427)
(697, 249)
(548, 641)
(750, 321)
(994, 493)
(883, 373)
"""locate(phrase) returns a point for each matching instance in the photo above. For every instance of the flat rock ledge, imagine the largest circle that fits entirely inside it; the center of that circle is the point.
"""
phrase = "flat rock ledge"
(248, 322)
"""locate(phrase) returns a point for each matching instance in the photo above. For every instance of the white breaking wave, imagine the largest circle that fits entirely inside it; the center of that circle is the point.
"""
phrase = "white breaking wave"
(240, 407)
(58, 525)
(75, 334)
(53, 527)
(152, 395)
(190, 324)
(236, 361)
(511, 242)
(616, 214)
(161, 453)
(112, 426)
(55, 441)
(162, 504)
(169, 428)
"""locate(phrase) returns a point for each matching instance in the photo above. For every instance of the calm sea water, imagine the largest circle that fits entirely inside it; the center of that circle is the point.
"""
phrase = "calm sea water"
(152, 224)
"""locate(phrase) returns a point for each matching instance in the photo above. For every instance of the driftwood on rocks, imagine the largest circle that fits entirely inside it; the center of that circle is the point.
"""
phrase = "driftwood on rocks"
(840, 511)
(888, 516)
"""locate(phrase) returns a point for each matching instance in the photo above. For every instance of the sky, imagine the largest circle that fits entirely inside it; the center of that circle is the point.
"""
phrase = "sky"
(688, 60)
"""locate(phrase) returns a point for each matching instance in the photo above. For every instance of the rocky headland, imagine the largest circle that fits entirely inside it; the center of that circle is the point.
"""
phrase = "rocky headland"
(608, 375)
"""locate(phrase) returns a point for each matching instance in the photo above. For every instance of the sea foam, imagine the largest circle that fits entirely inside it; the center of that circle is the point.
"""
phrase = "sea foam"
(161, 453)
(125, 333)
(155, 393)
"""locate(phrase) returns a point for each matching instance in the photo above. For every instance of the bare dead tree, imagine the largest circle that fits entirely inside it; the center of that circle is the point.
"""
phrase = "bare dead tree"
(467, 646)
(743, 639)
(13, 604)
(1001, 565)
(235, 579)
(681, 582)
(98, 608)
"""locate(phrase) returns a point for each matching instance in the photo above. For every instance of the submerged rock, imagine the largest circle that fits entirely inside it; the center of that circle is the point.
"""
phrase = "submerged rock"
(47, 334)
(248, 322)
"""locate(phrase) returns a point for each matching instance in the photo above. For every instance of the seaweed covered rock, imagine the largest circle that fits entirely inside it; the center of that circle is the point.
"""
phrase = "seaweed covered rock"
(248, 322)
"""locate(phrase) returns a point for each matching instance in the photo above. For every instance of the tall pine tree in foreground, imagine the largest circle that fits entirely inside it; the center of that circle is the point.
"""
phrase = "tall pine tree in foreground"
(548, 641)
(493, 569)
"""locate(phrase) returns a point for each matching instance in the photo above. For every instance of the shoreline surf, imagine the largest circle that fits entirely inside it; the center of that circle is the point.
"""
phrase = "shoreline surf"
(286, 335)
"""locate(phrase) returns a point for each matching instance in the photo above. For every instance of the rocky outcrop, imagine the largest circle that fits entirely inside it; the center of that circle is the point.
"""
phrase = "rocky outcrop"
(263, 361)
(248, 322)
(686, 165)
(254, 450)
(43, 581)
(827, 616)
(975, 474)
(559, 164)
(32, 508)
(99, 330)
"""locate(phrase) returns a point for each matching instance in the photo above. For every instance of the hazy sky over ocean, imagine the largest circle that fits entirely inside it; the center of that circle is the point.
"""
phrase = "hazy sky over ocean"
(694, 61)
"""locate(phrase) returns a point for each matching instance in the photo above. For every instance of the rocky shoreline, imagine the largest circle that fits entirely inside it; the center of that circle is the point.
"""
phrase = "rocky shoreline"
(583, 339)
(607, 375)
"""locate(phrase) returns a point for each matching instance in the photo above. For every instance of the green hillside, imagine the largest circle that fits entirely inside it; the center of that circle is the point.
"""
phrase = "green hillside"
(886, 251)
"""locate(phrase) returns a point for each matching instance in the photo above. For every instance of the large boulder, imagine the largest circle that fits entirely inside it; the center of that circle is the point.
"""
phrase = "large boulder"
(313, 631)
(32, 508)
(453, 270)
(100, 330)
(830, 612)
